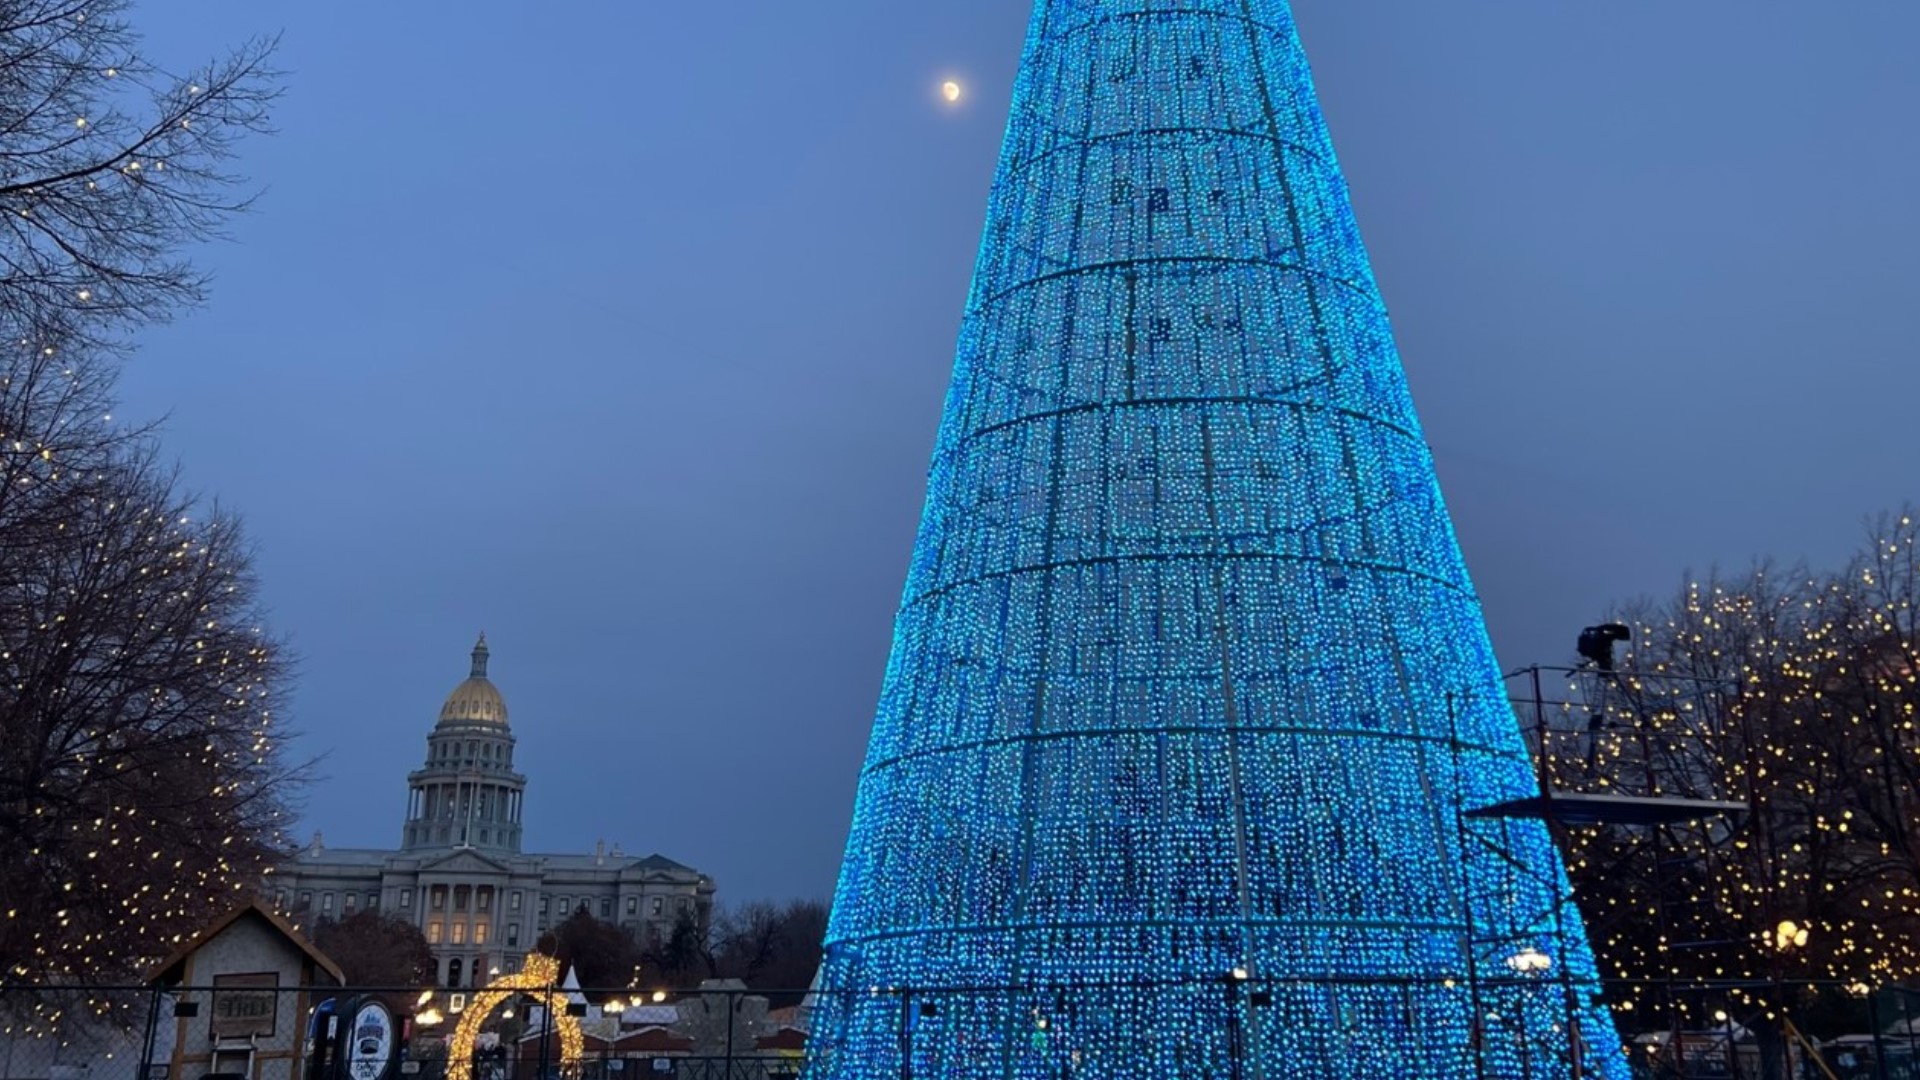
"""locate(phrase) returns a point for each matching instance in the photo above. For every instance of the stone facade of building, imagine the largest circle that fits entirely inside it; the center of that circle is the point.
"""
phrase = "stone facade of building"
(459, 873)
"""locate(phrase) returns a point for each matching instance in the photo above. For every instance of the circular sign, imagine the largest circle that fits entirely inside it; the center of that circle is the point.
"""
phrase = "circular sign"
(370, 1042)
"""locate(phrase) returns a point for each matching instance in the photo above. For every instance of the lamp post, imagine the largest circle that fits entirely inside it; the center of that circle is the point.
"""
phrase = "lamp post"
(906, 1033)
(1235, 979)
(1527, 963)
(1236, 1039)
(426, 1018)
(909, 1016)
(546, 1023)
(1865, 994)
(1787, 937)
(1726, 1029)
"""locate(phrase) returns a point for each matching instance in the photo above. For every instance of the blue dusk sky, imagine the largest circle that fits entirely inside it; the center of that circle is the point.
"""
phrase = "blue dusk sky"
(620, 329)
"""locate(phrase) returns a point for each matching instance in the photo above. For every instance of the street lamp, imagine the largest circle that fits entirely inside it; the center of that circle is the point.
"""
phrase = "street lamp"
(1529, 961)
(1789, 935)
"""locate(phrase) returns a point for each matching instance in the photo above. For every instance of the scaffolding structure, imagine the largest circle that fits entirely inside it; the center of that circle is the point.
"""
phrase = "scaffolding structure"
(1615, 748)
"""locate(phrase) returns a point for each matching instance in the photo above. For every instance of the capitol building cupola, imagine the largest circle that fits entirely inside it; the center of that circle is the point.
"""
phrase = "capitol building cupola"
(467, 795)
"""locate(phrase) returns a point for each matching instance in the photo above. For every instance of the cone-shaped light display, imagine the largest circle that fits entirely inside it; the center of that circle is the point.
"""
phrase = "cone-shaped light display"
(1189, 686)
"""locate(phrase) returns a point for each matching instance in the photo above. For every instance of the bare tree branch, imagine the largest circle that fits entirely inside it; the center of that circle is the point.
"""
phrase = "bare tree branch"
(109, 167)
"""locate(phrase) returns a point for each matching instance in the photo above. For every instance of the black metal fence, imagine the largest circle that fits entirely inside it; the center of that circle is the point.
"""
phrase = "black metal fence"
(250, 1032)
(243, 1032)
(617, 1065)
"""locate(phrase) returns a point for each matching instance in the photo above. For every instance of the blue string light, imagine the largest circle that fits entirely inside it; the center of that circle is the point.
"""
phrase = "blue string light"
(1189, 682)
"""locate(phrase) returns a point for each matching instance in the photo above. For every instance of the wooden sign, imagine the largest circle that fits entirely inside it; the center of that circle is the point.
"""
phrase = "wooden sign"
(245, 1005)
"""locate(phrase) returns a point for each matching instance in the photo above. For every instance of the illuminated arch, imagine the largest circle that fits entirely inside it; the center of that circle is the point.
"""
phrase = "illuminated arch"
(536, 980)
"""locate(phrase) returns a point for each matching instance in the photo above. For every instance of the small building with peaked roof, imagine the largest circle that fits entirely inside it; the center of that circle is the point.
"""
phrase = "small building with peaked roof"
(460, 874)
(237, 998)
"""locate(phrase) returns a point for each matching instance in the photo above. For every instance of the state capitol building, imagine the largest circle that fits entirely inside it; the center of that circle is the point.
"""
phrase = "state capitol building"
(459, 873)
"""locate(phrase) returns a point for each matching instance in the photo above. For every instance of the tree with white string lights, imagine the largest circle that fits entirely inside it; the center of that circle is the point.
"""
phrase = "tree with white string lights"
(1813, 726)
(142, 788)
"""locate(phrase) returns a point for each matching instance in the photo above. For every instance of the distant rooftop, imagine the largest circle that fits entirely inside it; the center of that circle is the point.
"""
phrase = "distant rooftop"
(590, 862)
(319, 854)
(345, 856)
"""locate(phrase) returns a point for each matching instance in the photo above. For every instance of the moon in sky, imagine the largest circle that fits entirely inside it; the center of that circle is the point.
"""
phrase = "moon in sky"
(950, 90)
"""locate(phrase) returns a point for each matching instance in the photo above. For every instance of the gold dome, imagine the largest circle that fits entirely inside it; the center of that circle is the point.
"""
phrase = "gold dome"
(477, 700)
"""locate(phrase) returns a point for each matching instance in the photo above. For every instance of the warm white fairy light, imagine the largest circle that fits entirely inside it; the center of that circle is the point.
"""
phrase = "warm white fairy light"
(539, 979)
(156, 812)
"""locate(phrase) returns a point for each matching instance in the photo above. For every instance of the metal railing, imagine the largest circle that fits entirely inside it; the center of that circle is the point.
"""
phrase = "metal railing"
(730, 1033)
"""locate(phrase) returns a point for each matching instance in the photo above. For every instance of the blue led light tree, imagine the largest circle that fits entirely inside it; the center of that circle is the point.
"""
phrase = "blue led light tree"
(1189, 685)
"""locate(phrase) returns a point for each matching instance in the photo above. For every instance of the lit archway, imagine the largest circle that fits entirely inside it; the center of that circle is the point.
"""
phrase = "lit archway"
(536, 980)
